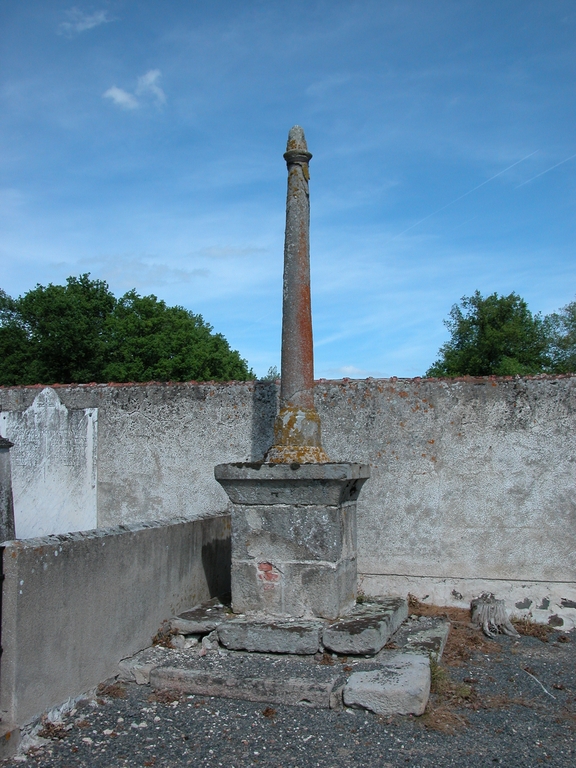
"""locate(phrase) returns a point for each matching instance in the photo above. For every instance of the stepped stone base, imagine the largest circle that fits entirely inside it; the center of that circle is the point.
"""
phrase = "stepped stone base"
(394, 680)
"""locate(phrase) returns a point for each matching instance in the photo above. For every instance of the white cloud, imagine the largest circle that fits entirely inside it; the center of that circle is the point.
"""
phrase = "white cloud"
(148, 83)
(80, 21)
(121, 97)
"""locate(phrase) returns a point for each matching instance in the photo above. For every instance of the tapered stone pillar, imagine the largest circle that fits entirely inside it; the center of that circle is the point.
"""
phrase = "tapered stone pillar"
(297, 435)
(294, 515)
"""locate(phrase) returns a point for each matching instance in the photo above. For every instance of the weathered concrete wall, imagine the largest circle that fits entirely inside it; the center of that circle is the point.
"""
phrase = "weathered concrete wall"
(74, 605)
(472, 487)
(472, 483)
(157, 444)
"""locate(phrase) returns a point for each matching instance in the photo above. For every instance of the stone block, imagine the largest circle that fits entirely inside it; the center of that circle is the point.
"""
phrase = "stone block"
(367, 630)
(293, 636)
(284, 532)
(263, 679)
(427, 635)
(202, 619)
(400, 686)
(310, 484)
(308, 590)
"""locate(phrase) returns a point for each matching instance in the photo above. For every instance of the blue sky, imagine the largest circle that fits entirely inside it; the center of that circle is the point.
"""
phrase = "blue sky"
(142, 142)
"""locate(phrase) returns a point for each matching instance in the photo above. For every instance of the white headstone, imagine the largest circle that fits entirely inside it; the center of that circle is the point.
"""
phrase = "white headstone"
(53, 465)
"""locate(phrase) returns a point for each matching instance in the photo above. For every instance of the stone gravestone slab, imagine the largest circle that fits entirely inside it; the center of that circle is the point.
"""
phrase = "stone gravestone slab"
(53, 465)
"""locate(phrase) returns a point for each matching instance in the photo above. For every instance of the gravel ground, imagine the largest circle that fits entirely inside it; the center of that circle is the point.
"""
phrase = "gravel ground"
(512, 703)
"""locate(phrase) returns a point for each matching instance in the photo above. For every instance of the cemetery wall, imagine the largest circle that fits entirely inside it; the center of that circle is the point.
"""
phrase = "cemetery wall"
(75, 605)
(472, 486)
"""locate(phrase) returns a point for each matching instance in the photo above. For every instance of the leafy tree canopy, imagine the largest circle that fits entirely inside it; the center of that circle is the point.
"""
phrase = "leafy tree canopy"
(80, 333)
(561, 329)
(493, 335)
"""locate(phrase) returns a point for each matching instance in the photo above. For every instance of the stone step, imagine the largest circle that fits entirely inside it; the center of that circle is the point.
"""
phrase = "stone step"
(254, 677)
(289, 636)
(362, 633)
(392, 682)
(368, 628)
(426, 635)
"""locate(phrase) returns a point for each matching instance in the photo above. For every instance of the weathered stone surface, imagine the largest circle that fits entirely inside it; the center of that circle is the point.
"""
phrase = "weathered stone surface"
(285, 533)
(312, 484)
(273, 679)
(293, 537)
(427, 635)
(297, 434)
(306, 590)
(401, 686)
(368, 629)
(201, 619)
(137, 668)
(119, 586)
(294, 637)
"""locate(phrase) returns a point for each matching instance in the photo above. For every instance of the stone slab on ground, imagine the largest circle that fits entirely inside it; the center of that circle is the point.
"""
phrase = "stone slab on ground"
(290, 636)
(427, 634)
(400, 686)
(201, 619)
(251, 677)
(367, 630)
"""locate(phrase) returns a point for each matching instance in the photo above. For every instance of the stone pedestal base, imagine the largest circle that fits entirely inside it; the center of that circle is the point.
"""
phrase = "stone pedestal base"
(293, 537)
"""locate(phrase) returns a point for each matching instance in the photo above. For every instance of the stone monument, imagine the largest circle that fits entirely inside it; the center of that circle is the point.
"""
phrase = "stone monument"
(294, 514)
(294, 553)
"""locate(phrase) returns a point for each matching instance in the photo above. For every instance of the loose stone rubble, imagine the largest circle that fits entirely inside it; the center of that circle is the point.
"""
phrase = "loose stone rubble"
(291, 662)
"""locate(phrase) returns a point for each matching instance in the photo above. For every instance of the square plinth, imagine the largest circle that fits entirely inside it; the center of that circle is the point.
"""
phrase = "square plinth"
(293, 537)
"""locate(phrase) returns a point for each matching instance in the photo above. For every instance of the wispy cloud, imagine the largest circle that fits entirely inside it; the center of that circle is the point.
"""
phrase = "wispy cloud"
(126, 271)
(456, 199)
(322, 86)
(147, 85)
(546, 171)
(121, 97)
(78, 21)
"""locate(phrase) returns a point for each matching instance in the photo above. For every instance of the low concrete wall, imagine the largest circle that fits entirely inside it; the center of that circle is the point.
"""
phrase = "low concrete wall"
(74, 605)
(472, 485)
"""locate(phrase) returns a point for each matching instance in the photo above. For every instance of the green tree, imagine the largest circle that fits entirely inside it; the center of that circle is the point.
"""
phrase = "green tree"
(492, 335)
(56, 333)
(561, 329)
(148, 340)
(80, 332)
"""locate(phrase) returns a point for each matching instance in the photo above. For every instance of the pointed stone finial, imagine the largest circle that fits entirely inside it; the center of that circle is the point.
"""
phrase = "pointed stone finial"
(297, 427)
(297, 142)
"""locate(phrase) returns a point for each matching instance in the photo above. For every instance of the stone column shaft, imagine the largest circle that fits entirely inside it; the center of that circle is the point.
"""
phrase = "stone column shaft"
(297, 383)
(297, 435)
